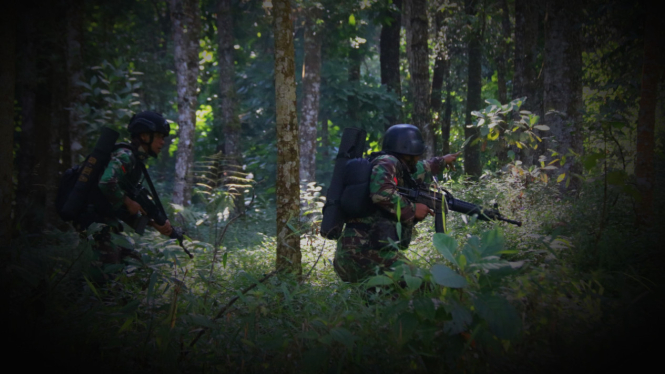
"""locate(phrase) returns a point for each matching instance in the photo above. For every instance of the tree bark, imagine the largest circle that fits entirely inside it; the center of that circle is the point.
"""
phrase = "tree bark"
(441, 68)
(652, 70)
(473, 98)
(186, 20)
(419, 67)
(75, 137)
(311, 92)
(502, 58)
(7, 85)
(563, 85)
(389, 55)
(353, 106)
(27, 85)
(501, 70)
(288, 160)
(230, 145)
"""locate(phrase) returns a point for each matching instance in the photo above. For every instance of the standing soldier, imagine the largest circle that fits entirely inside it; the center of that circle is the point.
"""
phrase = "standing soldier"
(366, 246)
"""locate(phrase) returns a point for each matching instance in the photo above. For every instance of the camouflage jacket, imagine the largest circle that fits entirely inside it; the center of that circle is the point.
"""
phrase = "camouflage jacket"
(121, 174)
(377, 230)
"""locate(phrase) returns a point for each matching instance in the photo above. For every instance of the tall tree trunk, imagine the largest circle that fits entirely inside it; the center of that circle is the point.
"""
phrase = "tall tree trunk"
(441, 67)
(447, 118)
(186, 20)
(75, 137)
(419, 67)
(473, 98)
(501, 69)
(231, 125)
(311, 81)
(27, 86)
(652, 70)
(526, 82)
(288, 160)
(389, 55)
(563, 85)
(7, 85)
(502, 58)
(352, 104)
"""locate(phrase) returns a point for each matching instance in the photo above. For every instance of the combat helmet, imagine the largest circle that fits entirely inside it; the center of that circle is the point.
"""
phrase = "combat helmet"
(404, 139)
(148, 122)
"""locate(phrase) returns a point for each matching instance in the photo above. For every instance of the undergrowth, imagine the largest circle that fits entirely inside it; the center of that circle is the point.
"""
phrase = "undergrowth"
(481, 298)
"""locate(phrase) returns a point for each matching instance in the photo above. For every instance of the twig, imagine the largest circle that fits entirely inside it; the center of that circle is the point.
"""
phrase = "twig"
(315, 262)
(231, 302)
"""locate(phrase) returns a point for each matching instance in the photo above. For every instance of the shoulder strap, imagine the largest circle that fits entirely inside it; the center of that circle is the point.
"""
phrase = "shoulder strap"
(153, 191)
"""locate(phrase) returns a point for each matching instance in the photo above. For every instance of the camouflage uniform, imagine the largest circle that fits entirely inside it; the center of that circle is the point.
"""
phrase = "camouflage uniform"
(366, 242)
(122, 173)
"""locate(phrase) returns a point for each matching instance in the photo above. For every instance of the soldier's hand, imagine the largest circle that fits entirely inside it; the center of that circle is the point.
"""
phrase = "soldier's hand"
(165, 229)
(422, 211)
(450, 159)
(132, 206)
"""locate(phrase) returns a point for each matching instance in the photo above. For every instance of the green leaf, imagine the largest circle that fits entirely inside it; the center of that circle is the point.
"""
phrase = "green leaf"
(413, 283)
(492, 242)
(446, 245)
(352, 20)
(501, 316)
(493, 102)
(424, 307)
(560, 177)
(343, 336)
(446, 277)
(542, 127)
(616, 177)
(122, 240)
(461, 319)
(200, 320)
(462, 261)
(405, 326)
(378, 280)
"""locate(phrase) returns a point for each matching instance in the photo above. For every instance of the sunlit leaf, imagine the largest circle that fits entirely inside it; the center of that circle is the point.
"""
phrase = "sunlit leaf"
(560, 177)
(378, 280)
(446, 245)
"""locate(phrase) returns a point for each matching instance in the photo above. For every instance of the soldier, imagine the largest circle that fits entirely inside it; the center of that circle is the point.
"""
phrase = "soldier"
(365, 247)
(124, 172)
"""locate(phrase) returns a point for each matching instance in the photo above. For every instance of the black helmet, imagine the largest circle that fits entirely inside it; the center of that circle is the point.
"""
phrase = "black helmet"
(404, 139)
(149, 122)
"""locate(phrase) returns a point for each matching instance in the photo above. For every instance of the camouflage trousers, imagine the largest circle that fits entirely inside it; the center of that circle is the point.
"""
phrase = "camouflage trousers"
(106, 254)
(354, 264)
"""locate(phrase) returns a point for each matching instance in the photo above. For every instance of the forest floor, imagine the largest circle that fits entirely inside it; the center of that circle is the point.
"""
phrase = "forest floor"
(561, 293)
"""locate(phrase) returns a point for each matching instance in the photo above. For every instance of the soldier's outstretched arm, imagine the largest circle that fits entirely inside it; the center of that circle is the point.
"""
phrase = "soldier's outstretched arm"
(433, 166)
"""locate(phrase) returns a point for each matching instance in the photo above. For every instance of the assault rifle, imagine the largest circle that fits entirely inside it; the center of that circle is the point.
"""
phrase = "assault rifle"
(154, 210)
(434, 200)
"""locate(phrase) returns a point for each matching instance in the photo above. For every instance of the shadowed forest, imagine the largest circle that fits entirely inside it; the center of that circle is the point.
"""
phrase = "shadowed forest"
(556, 108)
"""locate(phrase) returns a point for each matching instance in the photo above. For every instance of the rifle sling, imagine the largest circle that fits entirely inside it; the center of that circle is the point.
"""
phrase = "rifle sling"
(152, 188)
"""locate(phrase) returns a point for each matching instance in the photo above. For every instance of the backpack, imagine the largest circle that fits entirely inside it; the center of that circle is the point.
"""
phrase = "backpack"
(78, 187)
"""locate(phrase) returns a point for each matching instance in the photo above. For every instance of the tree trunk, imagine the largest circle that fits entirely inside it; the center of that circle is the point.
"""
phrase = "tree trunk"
(526, 82)
(27, 86)
(7, 85)
(502, 58)
(501, 67)
(419, 67)
(441, 67)
(473, 98)
(311, 81)
(287, 183)
(563, 85)
(389, 56)
(186, 20)
(75, 137)
(652, 70)
(230, 123)
(352, 104)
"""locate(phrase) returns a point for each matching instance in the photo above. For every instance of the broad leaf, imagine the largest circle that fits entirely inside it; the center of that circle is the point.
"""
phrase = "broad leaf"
(378, 280)
(461, 319)
(412, 282)
(501, 316)
(446, 277)
(446, 245)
